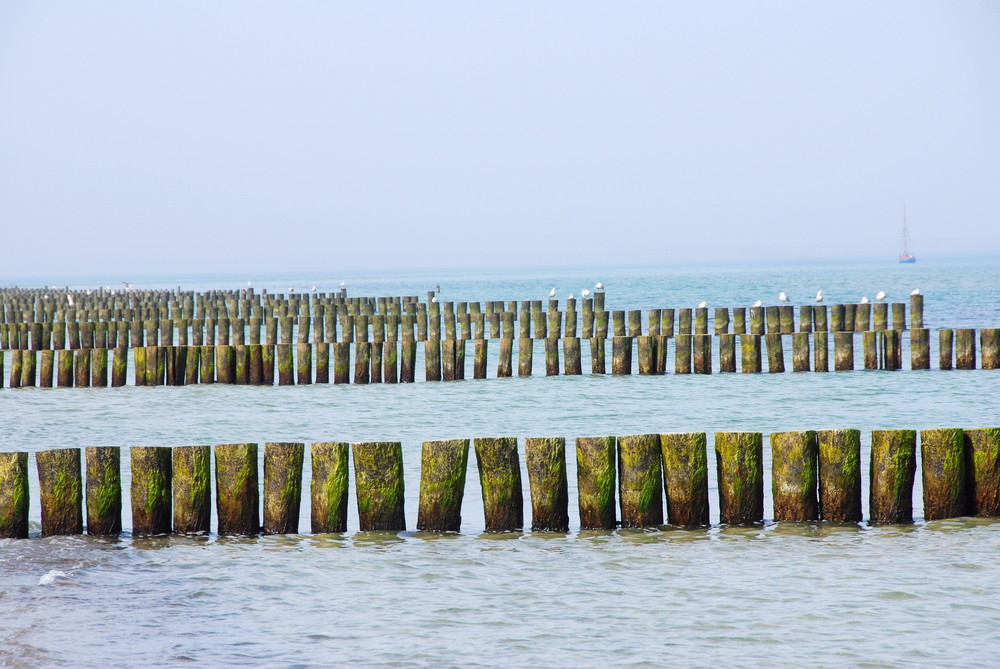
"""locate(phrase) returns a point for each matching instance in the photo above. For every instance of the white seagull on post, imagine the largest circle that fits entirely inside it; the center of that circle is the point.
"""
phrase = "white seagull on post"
(552, 293)
(915, 291)
(585, 293)
(880, 296)
(783, 298)
(756, 304)
(702, 305)
(819, 296)
(599, 286)
(864, 300)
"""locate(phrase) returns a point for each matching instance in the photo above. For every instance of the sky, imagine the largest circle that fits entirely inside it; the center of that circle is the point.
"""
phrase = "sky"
(191, 136)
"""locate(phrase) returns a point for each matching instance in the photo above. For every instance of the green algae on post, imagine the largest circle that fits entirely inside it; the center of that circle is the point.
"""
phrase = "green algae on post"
(525, 355)
(104, 490)
(982, 453)
(443, 466)
(839, 475)
(282, 487)
(640, 480)
(793, 475)
(378, 480)
(151, 490)
(595, 480)
(500, 478)
(775, 353)
(893, 465)
(60, 488)
(685, 478)
(237, 496)
(14, 495)
(739, 462)
(942, 464)
(750, 360)
(329, 487)
(192, 489)
(545, 458)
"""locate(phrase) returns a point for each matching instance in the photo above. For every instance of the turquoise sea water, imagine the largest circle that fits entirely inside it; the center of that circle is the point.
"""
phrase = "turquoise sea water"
(784, 594)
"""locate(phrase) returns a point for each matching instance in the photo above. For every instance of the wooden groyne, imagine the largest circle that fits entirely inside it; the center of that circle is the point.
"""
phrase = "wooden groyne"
(58, 338)
(622, 481)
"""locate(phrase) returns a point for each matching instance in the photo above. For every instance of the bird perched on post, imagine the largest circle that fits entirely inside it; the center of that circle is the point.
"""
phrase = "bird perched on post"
(819, 296)
(915, 291)
(864, 300)
(599, 286)
(783, 298)
(585, 293)
(756, 304)
(702, 304)
(880, 296)
(552, 293)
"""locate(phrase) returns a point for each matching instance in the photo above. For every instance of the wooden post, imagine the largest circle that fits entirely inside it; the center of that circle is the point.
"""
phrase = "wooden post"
(408, 360)
(820, 320)
(942, 460)
(322, 362)
(684, 317)
(151, 490)
(946, 339)
(800, 352)
(843, 351)
(739, 320)
(341, 362)
(839, 475)
(772, 316)
(727, 353)
(989, 346)
(640, 480)
(685, 476)
(500, 478)
(701, 320)
(571, 356)
(81, 368)
(757, 320)
(621, 355)
(683, 349)
(916, 311)
(64, 375)
(775, 353)
(667, 322)
(920, 349)
(982, 466)
(286, 367)
(378, 479)
(863, 318)
(597, 364)
(237, 498)
(545, 458)
(721, 320)
(786, 318)
(880, 318)
(805, 318)
(505, 361)
(739, 461)
(647, 355)
(837, 318)
(525, 353)
(443, 465)
(61, 491)
(206, 374)
(192, 484)
(282, 487)
(14, 496)
(869, 345)
(363, 360)
(750, 359)
(893, 465)
(104, 490)
(793, 475)
(448, 360)
(898, 316)
(304, 373)
(329, 487)
(702, 354)
(595, 479)
(965, 348)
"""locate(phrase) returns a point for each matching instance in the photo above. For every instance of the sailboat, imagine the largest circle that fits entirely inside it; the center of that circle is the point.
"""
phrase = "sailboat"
(906, 255)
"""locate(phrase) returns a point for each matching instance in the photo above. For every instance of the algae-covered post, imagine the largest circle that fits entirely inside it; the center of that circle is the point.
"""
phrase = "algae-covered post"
(545, 458)
(571, 356)
(151, 490)
(727, 353)
(839, 454)
(843, 351)
(942, 463)
(685, 477)
(500, 478)
(525, 354)
(104, 490)
(775, 353)
(982, 466)
(793, 475)
(989, 347)
(192, 484)
(640, 480)
(621, 355)
(965, 348)
(739, 461)
(237, 496)
(378, 480)
(14, 495)
(443, 465)
(916, 311)
(946, 339)
(683, 349)
(920, 350)
(595, 478)
(893, 464)
(750, 358)
(702, 354)
(282, 487)
(800, 352)
(328, 508)
(60, 488)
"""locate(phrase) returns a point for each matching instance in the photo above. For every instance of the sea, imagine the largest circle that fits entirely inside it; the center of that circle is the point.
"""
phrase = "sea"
(778, 594)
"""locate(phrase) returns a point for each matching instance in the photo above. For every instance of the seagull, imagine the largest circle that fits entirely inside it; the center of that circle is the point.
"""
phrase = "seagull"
(314, 289)
(880, 296)
(702, 305)
(819, 296)
(249, 284)
(343, 284)
(291, 290)
(783, 298)
(128, 286)
(915, 291)
(570, 297)
(756, 304)
(552, 293)
(434, 300)
(69, 297)
(599, 286)
(864, 300)
(585, 292)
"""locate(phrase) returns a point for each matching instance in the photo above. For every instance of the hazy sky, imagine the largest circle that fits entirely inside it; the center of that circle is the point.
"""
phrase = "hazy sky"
(253, 136)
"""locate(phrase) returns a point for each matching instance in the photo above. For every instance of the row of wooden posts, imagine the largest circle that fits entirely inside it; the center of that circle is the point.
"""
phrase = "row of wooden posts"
(395, 362)
(344, 319)
(816, 475)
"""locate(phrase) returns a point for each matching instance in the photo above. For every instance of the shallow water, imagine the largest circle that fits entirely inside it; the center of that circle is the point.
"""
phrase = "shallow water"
(785, 594)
